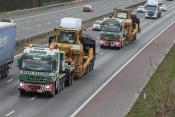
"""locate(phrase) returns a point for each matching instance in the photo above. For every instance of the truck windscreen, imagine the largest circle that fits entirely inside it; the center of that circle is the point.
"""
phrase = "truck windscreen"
(36, 65)
(67, 37)
(151, 7)
(110, 26)
(123, 15)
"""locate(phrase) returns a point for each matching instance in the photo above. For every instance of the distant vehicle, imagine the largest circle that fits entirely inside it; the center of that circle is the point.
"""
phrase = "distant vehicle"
(7, 20)
(7, 45)
(97, 25)
(152, 9)
(87, 8)
(163, 8)
(160, 2)
(140, 9)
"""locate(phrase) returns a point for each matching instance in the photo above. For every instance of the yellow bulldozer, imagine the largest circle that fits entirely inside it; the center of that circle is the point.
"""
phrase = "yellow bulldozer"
(131, 22)
(79, 49)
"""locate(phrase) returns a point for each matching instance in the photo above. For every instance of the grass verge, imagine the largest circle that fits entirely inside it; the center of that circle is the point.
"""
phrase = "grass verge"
(160, 92)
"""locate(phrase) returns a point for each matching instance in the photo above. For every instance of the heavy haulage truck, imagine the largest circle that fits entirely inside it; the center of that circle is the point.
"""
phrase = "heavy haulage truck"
(120, 29)
(43, 70)
(7, 45)
(79, 48)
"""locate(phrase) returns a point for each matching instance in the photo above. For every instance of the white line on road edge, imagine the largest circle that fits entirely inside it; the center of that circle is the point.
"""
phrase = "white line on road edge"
(95, 93)
(9, 113)
(9, 80)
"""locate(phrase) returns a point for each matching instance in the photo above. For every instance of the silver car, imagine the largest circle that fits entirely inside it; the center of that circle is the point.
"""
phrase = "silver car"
(97, 25)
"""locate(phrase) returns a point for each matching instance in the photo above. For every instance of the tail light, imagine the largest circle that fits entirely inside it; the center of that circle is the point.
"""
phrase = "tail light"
(102, 39)
(118, 42)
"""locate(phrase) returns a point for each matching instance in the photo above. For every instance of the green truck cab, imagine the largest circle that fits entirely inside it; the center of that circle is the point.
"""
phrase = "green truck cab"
(112, 33)
(43, 70)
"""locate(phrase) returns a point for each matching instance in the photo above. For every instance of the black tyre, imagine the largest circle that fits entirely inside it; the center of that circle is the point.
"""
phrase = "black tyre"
(52, 93)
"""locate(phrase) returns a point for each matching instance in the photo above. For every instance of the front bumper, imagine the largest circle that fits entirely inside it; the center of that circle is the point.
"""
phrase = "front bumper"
(34, 87)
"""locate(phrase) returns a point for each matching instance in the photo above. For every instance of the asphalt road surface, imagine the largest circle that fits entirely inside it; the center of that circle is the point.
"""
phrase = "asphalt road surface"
(118, 96)
(64, 104)
(35, 24)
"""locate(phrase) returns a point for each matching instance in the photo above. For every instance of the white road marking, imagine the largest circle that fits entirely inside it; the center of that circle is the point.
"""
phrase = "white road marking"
(7, 115)
(56, 11)
(33, 98)
(101, 53)
(113, 76)
(8, 81)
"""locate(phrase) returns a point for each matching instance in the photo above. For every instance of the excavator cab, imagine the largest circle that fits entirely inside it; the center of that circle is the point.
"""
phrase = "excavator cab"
(79, 49)
(128, 14)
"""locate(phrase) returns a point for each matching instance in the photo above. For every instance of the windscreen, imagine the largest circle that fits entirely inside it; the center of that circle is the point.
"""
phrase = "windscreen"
(36, 65)
(123, 15)
(111, 26)
(151, 7)
(67, 37)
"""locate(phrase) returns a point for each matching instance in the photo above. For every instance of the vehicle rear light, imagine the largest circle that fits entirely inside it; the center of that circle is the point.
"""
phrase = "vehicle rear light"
(101, 41)
(118, 42)
(21, 84)
(49, 85)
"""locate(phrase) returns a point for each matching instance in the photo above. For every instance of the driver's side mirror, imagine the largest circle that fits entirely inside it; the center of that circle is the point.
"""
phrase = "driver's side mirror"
(19, 63)
(54, 65)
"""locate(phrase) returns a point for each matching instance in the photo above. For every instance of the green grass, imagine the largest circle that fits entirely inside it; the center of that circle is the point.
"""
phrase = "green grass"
(160, 92)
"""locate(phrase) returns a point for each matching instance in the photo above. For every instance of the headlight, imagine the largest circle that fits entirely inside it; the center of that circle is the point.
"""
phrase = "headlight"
(21, 84)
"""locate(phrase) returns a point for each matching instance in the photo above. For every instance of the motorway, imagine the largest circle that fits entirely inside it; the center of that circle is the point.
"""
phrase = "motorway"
(64, 104)
(35, 24)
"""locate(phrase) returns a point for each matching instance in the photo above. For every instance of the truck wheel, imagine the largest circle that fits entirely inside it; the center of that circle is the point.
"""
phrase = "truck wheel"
(63, 84)
(70, 80)
(57, 87)
(22, 93)
(92, 65)
(52, 93)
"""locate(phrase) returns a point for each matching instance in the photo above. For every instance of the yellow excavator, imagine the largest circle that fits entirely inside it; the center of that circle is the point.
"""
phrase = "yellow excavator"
(79, 48)
(131, 22)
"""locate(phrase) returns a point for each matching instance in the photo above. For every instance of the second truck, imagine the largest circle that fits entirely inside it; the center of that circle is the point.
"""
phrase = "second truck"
(120, 29)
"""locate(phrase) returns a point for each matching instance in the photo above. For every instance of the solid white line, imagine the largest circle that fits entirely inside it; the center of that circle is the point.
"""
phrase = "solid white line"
(9, 113)
(95, 93)
(9, 80)
(101, 53)
(33, 98)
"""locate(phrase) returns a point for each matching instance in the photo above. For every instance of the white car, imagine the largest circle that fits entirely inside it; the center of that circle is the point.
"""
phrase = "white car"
(140, 9)
(97, 25)
(163, 8)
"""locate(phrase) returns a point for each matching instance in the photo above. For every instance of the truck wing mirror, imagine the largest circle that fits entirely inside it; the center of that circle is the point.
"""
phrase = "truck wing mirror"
(19, 63)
